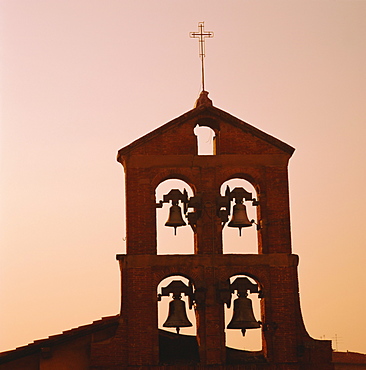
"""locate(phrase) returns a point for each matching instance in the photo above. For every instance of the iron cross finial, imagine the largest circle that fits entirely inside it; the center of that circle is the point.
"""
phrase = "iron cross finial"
(201, 35)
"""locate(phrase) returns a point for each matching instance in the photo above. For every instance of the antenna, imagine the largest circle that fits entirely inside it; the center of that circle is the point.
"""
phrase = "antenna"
(336, 340)
(201, 35)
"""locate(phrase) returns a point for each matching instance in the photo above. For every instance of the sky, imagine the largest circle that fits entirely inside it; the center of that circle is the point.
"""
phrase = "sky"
(83, 78)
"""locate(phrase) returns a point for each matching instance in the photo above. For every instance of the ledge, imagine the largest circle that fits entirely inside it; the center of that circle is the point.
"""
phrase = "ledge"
(147, 260)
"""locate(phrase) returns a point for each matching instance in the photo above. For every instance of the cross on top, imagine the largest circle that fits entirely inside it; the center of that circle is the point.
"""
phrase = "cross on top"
(202, 35)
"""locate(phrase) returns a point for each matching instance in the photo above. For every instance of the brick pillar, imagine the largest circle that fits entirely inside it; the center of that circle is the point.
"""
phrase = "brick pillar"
(284, 338)
(140, 212)
(210, 323)
(209, 230)
(275, 212)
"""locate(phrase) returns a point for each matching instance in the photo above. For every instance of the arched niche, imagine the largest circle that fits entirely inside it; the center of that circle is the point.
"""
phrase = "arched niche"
(163, 305)
(252, 341)
(206, 140)
(173, 347)
(247, 242)
(169, 242)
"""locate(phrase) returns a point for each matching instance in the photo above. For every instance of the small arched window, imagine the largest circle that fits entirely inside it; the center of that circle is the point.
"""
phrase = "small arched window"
(206, 140)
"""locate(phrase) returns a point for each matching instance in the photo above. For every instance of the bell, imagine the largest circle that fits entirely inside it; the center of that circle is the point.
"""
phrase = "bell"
(243, 316)
(177, 317)
(240, 218)
(175, 218)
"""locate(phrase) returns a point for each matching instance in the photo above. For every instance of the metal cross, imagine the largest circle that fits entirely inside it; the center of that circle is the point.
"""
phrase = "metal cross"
(201, 35)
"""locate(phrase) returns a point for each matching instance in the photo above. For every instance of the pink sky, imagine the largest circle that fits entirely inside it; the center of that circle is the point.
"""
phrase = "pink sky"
(81, 79)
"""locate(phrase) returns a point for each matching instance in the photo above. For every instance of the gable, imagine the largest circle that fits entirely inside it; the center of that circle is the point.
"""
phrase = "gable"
(233, 136)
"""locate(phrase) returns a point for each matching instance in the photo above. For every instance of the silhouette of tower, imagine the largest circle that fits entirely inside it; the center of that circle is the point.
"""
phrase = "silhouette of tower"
(240, 151)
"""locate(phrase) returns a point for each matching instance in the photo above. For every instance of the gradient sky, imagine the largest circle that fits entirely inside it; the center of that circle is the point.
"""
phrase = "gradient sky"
(82, 78)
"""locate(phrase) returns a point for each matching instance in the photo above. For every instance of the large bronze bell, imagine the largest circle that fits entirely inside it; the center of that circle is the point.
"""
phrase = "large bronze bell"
(240, 218)
(175, 218)
(177, 316)
(243, 316)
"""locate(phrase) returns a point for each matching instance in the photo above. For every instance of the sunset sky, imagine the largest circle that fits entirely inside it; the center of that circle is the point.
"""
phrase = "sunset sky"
(82, 78)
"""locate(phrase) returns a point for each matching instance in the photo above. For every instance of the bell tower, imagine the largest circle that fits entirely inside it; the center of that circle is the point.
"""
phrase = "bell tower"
(240, 151)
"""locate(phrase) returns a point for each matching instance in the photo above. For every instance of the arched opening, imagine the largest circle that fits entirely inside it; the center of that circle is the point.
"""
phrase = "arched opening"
(171, 240)
(248, 310)
(177, 321)
(206, 140)
(244, 240)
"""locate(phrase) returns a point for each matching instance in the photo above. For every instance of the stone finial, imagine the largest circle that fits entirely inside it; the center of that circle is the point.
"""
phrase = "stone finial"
(203, 100)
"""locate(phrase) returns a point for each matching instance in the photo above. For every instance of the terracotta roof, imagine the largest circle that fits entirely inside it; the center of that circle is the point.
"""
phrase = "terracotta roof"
(80, 331)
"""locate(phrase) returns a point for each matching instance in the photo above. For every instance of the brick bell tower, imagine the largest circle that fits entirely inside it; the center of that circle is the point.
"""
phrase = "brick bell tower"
(240, 151)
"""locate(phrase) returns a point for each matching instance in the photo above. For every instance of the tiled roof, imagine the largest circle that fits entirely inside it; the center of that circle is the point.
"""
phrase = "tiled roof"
(349, 358)
(67, 335)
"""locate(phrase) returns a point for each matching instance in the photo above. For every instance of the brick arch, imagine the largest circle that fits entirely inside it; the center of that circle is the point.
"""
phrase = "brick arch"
(207, 121)
(193, 274)
(239, 173)
(248, 274)
(225, 275)
(241, 177)
(260, 275)
(172, 174)
(164, 274)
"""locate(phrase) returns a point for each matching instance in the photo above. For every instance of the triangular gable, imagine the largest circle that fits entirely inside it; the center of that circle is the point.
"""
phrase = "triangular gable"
(205, 112)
